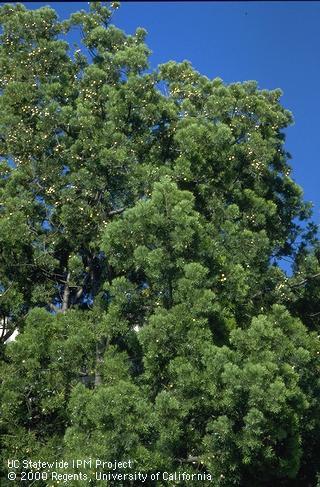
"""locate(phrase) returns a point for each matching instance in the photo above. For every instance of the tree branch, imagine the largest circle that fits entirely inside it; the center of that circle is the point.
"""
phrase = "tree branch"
(6, 335)
(66, 295)
(313, 315)
(101, 346)
(118, 211)
(301, 283)
(54, 308)
(191, 459)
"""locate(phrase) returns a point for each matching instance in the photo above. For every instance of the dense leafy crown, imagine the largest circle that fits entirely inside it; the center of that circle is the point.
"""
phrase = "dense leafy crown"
(143, 216)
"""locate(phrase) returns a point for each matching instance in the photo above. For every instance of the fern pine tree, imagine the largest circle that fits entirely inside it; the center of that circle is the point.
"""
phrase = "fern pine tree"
(142, 218)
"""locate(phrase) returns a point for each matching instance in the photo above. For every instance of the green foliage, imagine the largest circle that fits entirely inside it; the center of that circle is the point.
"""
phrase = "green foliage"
(142, 219)
(260, 387)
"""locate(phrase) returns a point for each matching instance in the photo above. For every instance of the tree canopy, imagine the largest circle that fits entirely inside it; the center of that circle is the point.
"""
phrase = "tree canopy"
(144, 216)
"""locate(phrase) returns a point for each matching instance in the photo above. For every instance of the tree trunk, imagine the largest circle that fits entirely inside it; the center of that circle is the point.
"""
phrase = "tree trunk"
(66, 295)
(100, 349)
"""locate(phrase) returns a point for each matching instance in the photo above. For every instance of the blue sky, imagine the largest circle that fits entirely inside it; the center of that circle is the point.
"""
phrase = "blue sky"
(275, 43)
